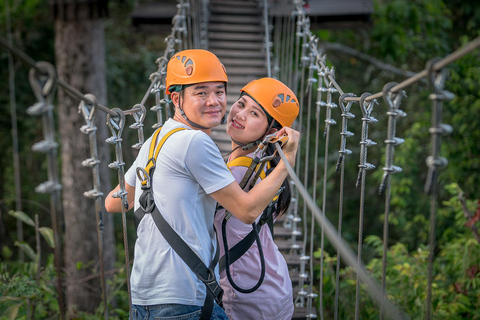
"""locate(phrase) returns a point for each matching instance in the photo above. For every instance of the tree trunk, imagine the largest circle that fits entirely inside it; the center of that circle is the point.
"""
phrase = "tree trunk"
(80, 61)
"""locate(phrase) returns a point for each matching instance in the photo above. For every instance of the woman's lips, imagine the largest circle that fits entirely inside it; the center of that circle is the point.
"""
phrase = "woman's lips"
(237, 125)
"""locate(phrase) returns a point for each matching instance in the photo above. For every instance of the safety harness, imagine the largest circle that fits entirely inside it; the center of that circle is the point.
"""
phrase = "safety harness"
(255, 166)
(147, 206)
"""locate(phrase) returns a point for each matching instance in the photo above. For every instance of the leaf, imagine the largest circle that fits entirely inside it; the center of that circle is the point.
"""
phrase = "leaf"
(475, 218)
(27, 249)
(47, 233)
(22, 216)
(12, 311)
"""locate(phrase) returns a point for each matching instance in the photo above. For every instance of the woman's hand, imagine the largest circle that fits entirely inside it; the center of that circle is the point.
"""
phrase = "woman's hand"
(291, 146)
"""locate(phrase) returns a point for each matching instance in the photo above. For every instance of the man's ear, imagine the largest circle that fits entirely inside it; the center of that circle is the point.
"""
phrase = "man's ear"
(175, 96)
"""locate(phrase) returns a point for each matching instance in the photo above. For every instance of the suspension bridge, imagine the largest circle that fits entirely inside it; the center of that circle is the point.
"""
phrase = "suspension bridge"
(253, 44)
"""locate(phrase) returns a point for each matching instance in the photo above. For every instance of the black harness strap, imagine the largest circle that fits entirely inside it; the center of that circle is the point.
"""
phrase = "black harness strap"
(207, 275)
(243, 245)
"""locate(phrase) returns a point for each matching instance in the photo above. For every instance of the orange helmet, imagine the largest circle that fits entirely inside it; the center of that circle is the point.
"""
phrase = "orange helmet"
(275, 98)
(194, 66)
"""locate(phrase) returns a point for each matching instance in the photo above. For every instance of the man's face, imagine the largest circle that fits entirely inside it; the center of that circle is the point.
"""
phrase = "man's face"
(204, 103)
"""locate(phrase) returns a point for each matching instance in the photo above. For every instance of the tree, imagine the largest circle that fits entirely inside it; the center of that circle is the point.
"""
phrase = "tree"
(80, 61)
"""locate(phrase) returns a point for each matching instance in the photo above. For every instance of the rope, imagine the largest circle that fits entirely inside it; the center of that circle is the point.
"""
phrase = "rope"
(89, 112)
(310, 81)
(367, 108)
(300, 299)
(440, 64)
(44, 89)
(116, 126)
(317, 131)
(343, 152)
(267, 36)
(328, 122)
(340, 244)
(393, 101)
(435, 162)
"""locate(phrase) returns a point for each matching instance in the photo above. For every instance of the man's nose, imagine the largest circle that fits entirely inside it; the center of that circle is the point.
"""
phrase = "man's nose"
(212, 99)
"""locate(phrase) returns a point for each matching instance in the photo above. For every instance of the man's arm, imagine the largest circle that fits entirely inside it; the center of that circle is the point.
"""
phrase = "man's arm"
(113, 205)
(248, 206)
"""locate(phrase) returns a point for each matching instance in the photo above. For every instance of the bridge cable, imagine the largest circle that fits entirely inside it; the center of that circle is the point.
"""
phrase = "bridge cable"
(393, 101)
(364, 166)
(89, 112)
(116, 126)
(435, 161)
(343, 152)
(340, 244)
(42, 80)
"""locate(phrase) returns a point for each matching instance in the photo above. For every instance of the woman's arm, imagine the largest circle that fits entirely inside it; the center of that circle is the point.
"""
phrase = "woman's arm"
(248, 206)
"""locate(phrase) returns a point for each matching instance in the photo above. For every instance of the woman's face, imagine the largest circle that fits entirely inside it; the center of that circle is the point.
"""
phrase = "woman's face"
(247, 121)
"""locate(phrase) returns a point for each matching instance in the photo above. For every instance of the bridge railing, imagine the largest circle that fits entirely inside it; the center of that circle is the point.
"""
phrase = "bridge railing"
(298, 62)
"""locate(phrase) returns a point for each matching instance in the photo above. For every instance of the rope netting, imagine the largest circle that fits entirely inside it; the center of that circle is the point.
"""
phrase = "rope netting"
(295, 59)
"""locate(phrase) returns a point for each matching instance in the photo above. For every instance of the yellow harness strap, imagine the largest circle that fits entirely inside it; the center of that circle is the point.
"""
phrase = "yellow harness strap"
(245, 161)
(155, 148)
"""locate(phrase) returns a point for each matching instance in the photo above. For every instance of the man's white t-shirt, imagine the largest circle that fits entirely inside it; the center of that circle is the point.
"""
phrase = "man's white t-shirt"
(189, 167)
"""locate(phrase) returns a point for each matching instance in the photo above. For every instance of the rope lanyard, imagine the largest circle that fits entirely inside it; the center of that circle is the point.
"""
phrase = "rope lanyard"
(255, 169)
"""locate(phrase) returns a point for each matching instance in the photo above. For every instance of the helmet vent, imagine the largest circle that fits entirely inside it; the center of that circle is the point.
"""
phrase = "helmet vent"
(189, 70)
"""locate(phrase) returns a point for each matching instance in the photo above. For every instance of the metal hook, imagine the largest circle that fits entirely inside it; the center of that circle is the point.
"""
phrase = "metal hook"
(88, 110)
(116, 123)
(43, 82)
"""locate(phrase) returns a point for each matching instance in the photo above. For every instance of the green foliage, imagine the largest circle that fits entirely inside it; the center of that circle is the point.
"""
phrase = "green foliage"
(456, 284)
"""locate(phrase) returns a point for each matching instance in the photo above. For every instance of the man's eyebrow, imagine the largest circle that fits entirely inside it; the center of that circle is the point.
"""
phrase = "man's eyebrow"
(200, 86)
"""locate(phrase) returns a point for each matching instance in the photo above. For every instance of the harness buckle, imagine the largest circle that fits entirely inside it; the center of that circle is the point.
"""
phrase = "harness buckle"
(212, 285)
(144, 178)
(145, 175)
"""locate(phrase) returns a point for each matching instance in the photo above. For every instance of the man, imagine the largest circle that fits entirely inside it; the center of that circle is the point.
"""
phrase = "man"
(189, 177)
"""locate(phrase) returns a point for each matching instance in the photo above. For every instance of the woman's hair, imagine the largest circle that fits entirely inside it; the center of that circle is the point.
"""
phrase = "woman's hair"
(285, 196)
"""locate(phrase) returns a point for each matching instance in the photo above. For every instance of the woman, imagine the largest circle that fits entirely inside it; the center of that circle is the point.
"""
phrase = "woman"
(254, 275)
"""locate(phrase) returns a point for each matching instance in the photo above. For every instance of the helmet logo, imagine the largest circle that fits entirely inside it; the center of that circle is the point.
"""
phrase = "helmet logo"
(276, 102)
(279, 99)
